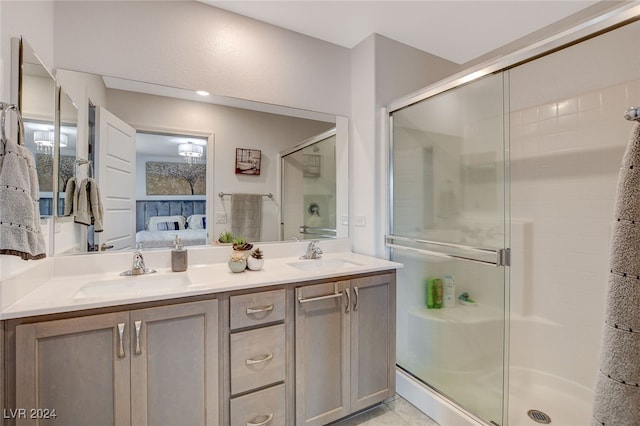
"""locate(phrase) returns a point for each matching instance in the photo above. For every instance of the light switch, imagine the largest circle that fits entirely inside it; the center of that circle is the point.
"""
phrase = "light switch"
(221, 217)
(361, 221)
(345, 220)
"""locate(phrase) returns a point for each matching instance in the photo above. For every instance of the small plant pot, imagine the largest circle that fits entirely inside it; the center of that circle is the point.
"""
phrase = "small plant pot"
(245, 253)
(237, 265)
(255, 264)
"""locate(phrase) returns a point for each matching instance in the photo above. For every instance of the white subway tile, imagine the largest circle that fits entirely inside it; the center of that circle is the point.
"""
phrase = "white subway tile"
(567, 107)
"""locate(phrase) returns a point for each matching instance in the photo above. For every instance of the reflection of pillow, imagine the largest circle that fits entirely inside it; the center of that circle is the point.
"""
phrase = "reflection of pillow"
(168, 226)
(197, 221)
(155, 220)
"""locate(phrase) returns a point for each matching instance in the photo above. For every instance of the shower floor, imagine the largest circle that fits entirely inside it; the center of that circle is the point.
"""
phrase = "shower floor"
(565, 402)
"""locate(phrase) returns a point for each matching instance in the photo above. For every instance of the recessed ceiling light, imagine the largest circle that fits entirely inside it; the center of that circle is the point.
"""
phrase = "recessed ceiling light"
(203, 93)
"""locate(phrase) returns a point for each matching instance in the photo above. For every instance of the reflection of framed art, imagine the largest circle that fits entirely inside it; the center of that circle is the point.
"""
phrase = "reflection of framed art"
(165, 178)
(247, 161)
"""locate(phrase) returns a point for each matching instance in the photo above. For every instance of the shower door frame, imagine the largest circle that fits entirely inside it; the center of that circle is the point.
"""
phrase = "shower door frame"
(588, 28)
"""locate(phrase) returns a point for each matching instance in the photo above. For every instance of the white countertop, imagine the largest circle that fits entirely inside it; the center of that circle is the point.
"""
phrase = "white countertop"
(66, 293)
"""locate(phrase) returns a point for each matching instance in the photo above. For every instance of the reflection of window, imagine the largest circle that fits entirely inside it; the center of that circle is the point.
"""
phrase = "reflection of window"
(311, 165)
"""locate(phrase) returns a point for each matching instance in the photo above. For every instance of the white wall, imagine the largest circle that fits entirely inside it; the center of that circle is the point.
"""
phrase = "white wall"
(568, 135)
(196, 46)
(34, 21)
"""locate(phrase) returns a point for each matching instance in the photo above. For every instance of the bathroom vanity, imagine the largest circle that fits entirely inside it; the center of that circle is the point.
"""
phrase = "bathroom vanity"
(298, 343)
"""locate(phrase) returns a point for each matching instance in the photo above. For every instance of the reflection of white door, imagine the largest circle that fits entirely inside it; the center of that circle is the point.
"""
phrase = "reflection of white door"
(116, 158)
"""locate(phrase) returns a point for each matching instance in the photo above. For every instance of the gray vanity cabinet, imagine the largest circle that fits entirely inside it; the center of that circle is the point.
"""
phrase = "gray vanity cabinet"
(345, 343)
(153, 366)
(74, 367)
(174, 365)
(373, 340)
(322, 353)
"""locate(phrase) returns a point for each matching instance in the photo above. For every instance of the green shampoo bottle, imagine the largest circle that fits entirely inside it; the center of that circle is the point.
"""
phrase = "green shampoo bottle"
(437, 293)
(430, 293)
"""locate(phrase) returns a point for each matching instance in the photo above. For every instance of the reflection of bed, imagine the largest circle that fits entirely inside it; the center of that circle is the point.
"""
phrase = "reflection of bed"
(157, 223)
(164, 239)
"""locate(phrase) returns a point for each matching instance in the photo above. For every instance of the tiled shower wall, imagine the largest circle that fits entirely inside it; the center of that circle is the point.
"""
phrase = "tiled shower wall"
(568, 136)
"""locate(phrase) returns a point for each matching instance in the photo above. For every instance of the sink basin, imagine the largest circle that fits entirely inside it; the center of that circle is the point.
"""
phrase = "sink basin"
(322, 265)
(133, 286)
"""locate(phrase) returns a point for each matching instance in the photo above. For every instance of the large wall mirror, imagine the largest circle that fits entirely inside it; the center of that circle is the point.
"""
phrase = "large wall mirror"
(36, 100)
(169, 161)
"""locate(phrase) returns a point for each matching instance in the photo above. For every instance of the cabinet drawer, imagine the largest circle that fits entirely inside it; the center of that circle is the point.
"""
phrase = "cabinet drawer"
(257, 308)
(265, 407)
(257, 358)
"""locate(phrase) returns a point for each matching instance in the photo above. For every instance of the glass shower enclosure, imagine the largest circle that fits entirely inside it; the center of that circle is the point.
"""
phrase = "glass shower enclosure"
(449, 227)
(309, 189)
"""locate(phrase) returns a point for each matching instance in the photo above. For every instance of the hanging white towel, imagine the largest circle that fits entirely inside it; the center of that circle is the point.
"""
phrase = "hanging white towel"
(88, 208)
(246, 216)
(20, 232)
(617, 393)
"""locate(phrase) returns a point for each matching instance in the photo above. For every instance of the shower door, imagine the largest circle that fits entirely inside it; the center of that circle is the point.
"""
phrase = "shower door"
(449, 221)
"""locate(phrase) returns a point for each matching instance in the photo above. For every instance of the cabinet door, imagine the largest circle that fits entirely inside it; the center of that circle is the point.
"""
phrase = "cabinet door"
(322, 353)
(174, 365)
(372, 340)
(78, 367)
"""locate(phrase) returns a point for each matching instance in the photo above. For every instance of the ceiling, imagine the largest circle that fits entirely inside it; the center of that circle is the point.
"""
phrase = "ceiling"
(456, 30)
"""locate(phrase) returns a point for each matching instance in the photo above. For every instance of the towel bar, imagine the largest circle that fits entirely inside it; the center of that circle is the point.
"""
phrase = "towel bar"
(224, 194)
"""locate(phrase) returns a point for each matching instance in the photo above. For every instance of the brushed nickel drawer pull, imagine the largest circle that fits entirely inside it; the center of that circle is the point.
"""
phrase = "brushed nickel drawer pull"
(263, 423)
(355, 304)
(264, 358)
(121, 340)
(259, 309)
(346, 310)
(313, 299)
(138, 325)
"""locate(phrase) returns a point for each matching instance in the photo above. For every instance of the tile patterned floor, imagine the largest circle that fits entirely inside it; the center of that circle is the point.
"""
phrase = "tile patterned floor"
(395, 411)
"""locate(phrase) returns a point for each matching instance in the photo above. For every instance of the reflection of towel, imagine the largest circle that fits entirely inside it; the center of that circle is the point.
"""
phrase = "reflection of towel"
(246, 216)
(88, 205)
(20, 232)
(617, 394)
(70, 197)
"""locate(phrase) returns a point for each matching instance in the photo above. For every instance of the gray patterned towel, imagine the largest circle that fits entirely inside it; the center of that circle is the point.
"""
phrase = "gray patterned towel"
(20, 232)
(617, 393)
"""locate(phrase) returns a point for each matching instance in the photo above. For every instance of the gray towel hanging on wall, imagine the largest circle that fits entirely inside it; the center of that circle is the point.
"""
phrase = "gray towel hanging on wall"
(617, 393)
(20, 232)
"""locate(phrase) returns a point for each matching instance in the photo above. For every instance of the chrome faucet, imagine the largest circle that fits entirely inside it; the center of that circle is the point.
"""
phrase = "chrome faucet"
(313, 252)
(138, 267)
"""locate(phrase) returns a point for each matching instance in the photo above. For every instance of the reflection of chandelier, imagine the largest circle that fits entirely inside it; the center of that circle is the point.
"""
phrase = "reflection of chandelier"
(191, 152)
(44, 140)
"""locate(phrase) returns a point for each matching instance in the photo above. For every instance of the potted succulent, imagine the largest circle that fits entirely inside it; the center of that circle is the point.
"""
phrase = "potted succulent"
(225, 238)
(237, 262)
(240, 244)
(255, 262)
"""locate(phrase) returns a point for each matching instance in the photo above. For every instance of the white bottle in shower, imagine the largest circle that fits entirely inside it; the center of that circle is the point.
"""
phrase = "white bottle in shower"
(449, 291)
